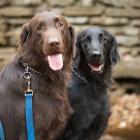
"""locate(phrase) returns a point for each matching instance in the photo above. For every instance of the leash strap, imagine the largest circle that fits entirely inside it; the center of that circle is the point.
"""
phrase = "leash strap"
(29, 115)
(1, 132)
(28, 104)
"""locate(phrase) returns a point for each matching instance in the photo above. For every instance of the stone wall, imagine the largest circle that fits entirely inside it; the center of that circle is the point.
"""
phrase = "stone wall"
(121, 17)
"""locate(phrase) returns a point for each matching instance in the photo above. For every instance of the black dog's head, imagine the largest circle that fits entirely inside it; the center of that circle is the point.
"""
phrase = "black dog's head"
(96, 48)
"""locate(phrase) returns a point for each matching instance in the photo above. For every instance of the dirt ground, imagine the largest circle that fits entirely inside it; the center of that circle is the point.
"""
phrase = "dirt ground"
(109, 137)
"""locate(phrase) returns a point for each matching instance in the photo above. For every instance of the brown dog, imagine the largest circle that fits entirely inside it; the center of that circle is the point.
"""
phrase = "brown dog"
(46, 45)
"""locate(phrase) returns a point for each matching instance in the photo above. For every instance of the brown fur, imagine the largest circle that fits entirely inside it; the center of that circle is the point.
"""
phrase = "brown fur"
(51, 107)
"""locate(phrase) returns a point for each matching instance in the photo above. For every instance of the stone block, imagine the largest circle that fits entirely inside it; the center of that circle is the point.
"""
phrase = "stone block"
(127, 30)
(79, 28)
(136, 23)
(3, 40)
(6, 55)
(128, 12)
(41, 8)
(59, 2)
(25, 2)
(3, 25)
(108, 21)
(122, 3)
(131, 31)
(13, 36)
(129, 67)
(117, 3)
(16, 11)
(134, 3)
(126, 51)
(4, 2)
(77, 20)
(87, 2)
(128, 40)
(16, 21)
(115, 30)
(83, 11)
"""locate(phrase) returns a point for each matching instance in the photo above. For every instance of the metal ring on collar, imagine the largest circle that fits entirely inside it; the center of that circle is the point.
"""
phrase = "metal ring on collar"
(27, 75)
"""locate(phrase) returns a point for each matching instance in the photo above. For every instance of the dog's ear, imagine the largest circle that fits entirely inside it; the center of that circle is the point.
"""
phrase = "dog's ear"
(25, 33)
(114, 55)
(77, 58)
(73, 38)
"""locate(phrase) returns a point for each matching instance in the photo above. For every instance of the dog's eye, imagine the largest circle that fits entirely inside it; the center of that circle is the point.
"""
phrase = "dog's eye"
(60, 25)
(88, 38)
(41, 27)
(105, 39)
(85, 45)
(101, 37)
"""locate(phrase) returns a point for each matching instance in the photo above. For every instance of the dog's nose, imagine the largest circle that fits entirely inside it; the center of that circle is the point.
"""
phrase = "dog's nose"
(53, 41)
(96, 54)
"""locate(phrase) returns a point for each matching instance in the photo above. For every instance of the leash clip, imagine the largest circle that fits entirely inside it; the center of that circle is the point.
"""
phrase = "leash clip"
(27, 75)
(29, 93)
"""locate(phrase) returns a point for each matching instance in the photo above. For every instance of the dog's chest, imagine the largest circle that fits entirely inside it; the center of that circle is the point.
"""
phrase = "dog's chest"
(44, 111)
(89, 98)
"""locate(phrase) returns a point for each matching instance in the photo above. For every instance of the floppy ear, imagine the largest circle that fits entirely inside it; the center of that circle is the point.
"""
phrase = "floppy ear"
(25, 33)
(73, 36)
(77, 58)
(114, 55)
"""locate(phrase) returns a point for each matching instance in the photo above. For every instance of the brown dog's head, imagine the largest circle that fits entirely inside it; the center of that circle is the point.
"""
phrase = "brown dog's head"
(47, 39)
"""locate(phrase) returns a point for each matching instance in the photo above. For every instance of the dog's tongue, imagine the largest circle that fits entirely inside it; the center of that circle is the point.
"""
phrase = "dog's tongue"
(55, 61)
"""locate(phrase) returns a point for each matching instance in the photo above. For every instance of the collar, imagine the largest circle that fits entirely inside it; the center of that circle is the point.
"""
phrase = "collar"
(80, 76)
(30, 68)
(37, 72)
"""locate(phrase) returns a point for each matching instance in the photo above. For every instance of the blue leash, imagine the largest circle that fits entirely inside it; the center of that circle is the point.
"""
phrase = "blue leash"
(1, 132)
(29, 115)
(28, 108)
(29, 118)
(28, 105)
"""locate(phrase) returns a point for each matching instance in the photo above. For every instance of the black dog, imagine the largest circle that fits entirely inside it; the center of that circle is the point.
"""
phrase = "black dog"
(96, 53)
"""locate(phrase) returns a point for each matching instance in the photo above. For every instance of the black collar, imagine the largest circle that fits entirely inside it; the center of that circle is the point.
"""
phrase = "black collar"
(80, 76)
(30, 68)
(37, 72)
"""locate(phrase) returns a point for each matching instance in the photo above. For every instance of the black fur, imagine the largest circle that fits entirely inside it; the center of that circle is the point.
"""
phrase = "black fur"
(90, 100)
